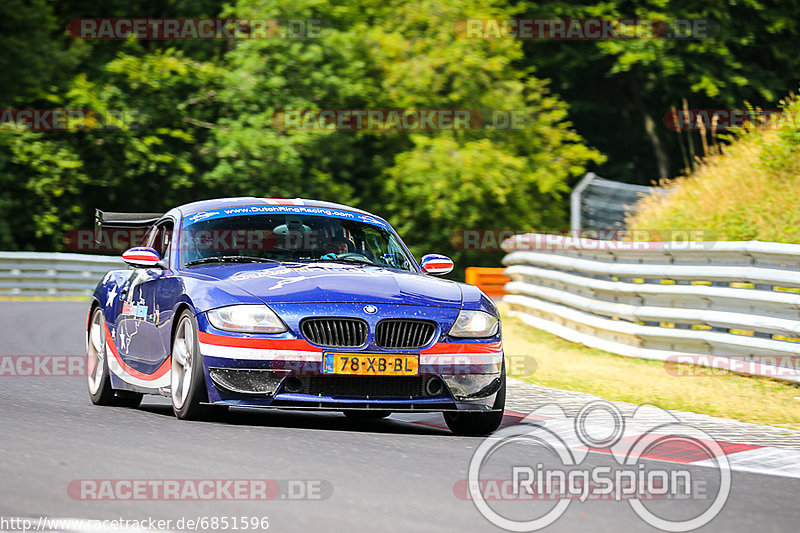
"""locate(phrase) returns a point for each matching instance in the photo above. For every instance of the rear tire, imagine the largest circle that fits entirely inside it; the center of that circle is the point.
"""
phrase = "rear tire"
(187, 376)
(99, 378)
(479, 424)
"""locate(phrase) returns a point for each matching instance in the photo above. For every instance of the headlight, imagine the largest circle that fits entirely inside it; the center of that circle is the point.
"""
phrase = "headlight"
(246, 319)
(475, 324)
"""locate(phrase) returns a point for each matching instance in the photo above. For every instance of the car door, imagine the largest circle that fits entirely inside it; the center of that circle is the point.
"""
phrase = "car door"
(163, 290)
(138, 324)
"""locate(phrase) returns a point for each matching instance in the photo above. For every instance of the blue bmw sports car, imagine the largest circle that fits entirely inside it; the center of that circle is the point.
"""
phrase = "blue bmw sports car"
(295, 304)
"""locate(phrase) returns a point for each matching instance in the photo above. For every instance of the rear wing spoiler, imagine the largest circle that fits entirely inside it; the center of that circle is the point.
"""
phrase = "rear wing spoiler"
(106, 219)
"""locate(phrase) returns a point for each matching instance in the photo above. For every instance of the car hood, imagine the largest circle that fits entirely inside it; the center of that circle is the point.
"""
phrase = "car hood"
(335, 282)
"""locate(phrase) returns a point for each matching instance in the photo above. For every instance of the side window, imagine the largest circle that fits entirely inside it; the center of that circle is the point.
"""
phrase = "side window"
(161, 238)
(147, 239)
(386, 249)
(396, 257)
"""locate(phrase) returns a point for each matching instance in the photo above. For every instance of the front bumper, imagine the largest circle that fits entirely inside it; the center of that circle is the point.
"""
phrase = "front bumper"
(274, 383)
(296, 381)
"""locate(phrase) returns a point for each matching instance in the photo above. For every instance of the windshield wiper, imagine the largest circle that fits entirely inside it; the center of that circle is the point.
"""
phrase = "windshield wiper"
(231, 259)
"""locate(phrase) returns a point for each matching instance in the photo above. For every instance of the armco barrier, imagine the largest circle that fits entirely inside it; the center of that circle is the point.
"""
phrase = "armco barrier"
(52, 274)
(736, 301)
(598, 203)
(490, 280)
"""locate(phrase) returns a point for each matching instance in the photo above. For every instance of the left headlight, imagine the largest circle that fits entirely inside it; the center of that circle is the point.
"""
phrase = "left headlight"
(475, 324)
(246, 319)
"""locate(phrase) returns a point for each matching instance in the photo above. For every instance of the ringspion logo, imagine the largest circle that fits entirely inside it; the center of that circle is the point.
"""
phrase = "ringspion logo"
(565, 476)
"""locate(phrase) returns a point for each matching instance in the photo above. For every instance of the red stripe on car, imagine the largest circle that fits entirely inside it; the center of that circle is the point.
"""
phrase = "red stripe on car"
(464, 347)
(272, 344)
(163, 369)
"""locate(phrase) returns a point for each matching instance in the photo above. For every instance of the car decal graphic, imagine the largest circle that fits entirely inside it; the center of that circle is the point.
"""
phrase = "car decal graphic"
(283, 210)
(135, 311)
(159, 378)
(139, 311)
(112, 294)
(285, 275)
(277, 272)
(436, 264)
(201, 215)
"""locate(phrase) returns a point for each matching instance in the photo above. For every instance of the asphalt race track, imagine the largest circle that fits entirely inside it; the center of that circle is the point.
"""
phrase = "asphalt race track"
(388, 475)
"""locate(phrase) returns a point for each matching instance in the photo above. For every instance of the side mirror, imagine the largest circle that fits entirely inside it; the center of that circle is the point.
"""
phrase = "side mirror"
(142, 257)
(436, 264)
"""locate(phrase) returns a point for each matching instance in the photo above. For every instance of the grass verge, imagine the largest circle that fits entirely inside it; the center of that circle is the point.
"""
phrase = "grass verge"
(567, 365)
(750, 191)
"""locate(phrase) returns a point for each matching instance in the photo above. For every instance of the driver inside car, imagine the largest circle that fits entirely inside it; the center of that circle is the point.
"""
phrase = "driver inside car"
(336, 246)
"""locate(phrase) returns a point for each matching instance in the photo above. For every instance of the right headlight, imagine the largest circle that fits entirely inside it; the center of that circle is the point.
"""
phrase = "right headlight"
(246, 318)
(475, 324)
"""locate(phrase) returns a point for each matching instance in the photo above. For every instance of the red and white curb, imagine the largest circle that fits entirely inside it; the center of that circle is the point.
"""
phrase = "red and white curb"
(749, 458)
(763, 460)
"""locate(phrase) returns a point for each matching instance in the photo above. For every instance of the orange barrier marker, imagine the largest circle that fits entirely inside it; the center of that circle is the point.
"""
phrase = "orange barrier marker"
(491, 280)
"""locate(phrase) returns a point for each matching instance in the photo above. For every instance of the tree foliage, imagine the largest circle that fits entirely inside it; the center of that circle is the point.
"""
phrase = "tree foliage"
(208, 127)
(206, 109)
(748, 53)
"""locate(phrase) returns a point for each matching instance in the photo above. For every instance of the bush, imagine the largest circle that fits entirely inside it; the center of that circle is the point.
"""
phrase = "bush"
(751, 191)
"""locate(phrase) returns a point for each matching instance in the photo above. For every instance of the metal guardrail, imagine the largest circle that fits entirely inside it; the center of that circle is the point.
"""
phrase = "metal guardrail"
(598, 203)
(733, 301)
(736, 301)
(52, 274)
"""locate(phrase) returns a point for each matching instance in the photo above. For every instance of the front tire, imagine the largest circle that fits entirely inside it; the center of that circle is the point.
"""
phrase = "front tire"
(187, 377)
(99, 378)
(479, 424)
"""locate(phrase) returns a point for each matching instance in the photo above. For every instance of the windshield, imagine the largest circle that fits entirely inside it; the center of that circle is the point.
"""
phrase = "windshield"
(290, 237)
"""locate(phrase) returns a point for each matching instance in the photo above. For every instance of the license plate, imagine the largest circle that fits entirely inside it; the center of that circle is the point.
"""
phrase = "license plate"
(370, 364)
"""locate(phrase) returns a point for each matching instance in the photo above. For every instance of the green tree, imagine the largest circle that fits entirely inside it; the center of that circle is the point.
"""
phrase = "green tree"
(619, 91)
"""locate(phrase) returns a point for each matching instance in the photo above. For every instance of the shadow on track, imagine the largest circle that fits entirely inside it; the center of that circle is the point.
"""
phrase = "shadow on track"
(323, 421)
